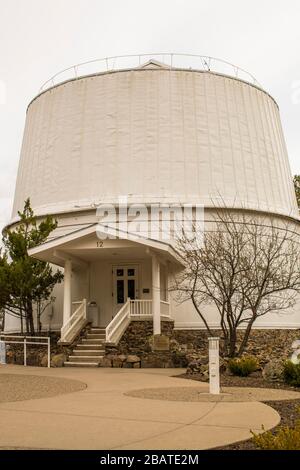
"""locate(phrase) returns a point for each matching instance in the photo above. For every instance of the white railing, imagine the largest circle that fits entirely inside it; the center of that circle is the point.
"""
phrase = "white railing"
(25, 340)
(170, 60)
(119, 323)
(132, 309)
(164, 308)
(140, 307)
(75, 323)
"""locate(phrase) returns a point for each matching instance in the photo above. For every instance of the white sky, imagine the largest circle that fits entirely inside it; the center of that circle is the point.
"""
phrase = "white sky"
(40, 37)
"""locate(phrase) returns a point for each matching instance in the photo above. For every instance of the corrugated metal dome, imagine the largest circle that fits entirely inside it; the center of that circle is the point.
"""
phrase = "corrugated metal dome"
(155, 134)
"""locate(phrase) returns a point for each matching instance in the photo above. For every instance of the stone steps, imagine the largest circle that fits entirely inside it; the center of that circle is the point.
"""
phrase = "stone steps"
(90, 351)
(89, 346)
(97, 331)
(90, 359)
(92, 341)
(96, 336)
(81, 364)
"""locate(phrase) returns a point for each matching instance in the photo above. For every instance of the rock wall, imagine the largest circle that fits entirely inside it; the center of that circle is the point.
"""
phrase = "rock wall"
(135, 348)
(188, 345)
(264, 344)
(138, 341)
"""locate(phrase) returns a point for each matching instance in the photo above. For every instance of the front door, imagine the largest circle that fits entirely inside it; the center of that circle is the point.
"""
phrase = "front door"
(125, 284)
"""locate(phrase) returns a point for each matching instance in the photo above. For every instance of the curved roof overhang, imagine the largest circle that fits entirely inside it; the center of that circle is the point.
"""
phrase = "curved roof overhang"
(68, 247)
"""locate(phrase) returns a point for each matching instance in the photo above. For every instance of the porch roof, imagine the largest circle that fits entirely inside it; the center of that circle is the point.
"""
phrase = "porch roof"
(69, 246)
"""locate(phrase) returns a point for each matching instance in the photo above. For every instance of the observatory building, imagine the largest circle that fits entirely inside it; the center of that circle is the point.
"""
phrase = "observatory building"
(145, 131)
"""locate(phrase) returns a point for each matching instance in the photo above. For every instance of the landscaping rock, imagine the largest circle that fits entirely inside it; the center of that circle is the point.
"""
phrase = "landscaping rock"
(44, 360)
(132, 358)
(58, 360)
(273, 371)
(200, 367)
(106, 362)
(122, 357)
(117, 362)
(174, 345)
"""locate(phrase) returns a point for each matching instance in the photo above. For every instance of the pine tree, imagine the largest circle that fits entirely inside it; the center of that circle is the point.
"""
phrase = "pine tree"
(28, 280)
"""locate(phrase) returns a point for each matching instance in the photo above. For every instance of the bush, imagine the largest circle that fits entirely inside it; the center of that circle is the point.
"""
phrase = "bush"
(291, 373)
(243, 366)
(273, 371)
(286, 438)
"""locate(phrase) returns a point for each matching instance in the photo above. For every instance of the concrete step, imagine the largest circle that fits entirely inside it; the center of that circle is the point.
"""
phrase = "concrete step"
(85, 359)
(92, 341)
(88, 352)
(89, 346)
(81, 364)
(96, 336)
(97, 330)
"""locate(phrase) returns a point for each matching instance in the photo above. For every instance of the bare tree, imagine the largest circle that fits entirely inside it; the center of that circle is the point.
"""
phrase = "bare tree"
(245, 267)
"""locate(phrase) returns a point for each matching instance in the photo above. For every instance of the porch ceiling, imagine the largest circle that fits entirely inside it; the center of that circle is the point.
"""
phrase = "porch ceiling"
(119, 253)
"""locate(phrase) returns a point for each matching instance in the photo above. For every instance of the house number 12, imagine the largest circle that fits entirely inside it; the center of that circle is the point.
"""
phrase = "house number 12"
(100, 244)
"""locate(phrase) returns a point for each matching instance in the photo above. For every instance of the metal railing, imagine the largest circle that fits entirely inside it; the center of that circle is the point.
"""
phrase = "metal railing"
(168, 59)
(27, 340)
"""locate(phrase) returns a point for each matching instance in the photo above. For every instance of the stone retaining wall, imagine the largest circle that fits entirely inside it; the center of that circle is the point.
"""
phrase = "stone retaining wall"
(188, 345)
(135, 348)
(264, 344)
(137, 340)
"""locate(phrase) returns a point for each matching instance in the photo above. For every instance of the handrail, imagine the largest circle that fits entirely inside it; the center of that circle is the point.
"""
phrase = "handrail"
(141, 307)
(25, 342)
(133, 308)
(71, 329)
(21, 336)
(119, 323)
(169, 60)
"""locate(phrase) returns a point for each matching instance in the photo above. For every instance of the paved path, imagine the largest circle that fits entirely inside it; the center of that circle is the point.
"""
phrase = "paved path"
(102, 417)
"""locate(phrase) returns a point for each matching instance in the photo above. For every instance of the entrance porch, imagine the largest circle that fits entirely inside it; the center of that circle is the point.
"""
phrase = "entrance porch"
(111, 282)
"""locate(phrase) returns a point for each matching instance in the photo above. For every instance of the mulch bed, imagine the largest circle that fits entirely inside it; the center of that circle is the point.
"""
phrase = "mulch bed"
(287, 409)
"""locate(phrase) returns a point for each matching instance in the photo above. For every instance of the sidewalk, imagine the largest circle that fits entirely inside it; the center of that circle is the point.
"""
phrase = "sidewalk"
(101, 416)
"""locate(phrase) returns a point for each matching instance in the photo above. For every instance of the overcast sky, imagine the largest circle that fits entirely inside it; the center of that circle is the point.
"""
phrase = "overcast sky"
(40, 37)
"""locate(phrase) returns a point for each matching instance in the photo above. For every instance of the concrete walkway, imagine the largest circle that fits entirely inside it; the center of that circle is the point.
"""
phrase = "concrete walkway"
(102, 417)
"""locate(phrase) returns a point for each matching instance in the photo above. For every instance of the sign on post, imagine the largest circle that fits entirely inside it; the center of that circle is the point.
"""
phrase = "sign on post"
(2, 352)
(214, 367)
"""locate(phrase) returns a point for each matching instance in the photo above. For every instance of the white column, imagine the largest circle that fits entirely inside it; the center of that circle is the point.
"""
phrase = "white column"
(156, 295)
(67, 291)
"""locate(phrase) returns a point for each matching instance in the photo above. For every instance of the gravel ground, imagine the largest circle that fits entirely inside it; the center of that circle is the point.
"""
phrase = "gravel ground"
(253, 381)
(287, 409)
(16, 387)
(228, 394)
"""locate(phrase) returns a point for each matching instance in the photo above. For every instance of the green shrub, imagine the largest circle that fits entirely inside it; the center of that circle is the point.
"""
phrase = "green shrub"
(291, 373)
(243, 366)
(286, 438)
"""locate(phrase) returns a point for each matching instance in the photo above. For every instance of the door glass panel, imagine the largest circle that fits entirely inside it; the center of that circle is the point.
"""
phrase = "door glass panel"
(131, 288)
(130, 272)
(120, 291)
(120, 272)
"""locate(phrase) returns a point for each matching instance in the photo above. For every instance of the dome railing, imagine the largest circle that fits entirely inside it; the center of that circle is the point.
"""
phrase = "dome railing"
(169, 60)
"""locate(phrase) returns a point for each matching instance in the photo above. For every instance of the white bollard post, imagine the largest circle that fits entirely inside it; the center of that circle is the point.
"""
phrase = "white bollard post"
(214, 367)
(25, 352)
(2, 352)
(49, 356)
